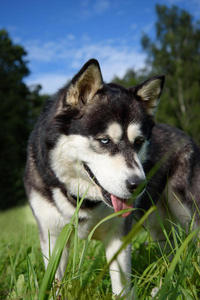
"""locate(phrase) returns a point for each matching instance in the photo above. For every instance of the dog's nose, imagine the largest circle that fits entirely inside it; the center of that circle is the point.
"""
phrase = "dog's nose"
(133, 183)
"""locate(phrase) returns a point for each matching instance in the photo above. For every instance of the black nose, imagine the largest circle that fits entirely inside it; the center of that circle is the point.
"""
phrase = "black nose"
(134, 182)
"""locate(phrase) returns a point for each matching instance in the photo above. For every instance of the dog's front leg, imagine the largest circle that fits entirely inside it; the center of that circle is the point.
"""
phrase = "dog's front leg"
(120, 267)
(48, 241)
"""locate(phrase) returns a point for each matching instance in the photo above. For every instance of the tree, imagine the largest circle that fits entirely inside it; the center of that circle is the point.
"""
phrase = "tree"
(129, 79)
(13, 119)
(18, 111)
(176, 53)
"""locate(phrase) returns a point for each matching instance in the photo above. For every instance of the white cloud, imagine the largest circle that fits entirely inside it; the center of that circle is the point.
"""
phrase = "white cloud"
(101, 6)
(93, 7)
(71, 37)
(50, 82)
(59, 61)
(175, 2)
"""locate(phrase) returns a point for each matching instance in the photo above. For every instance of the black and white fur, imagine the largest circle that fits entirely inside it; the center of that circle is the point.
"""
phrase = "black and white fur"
(103, 136)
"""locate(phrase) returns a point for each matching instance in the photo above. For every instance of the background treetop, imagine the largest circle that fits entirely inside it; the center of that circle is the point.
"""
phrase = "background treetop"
(19, 107)
(175, 52)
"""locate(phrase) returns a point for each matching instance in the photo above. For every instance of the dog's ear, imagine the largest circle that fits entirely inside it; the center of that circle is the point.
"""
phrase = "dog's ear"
(85, 84)
(149, 92)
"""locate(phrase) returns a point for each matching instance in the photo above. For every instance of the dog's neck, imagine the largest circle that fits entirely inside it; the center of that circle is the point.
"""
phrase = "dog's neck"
(86, 204)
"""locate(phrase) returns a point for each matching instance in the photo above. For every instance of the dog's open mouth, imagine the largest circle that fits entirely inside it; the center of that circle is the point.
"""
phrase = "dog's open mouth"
(111, 200)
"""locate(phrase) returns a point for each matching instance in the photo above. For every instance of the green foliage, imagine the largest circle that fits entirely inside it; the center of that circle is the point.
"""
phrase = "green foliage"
(18, 111)
(129, 79)
(176, 53)
(21, 262)
(13, 115)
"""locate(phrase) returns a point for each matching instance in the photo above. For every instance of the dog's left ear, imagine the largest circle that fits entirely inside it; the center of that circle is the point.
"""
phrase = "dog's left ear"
(85, 84)
(149, 92)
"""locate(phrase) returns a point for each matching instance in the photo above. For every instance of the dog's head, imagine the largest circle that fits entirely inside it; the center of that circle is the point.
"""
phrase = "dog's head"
(104, 131)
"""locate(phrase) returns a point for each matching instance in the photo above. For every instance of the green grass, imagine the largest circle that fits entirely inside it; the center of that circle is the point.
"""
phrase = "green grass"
(21, 262)
(22, 275)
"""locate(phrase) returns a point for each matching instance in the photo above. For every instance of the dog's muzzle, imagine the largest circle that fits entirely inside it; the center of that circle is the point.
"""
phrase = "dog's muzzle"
(106, 195)
(135, 185)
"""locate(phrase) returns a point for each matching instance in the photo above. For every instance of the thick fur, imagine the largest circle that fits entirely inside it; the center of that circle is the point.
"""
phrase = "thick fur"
(101, 138)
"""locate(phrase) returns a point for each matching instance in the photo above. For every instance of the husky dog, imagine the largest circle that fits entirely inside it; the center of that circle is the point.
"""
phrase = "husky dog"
(101, 138)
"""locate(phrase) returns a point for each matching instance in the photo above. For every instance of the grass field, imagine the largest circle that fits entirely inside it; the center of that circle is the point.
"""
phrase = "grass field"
(22, 275)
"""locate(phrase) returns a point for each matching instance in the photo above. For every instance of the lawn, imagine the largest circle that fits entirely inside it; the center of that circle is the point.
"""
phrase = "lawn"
(22, 275)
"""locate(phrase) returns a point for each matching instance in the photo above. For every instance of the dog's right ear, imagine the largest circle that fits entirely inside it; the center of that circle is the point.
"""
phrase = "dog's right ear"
(149, 92)
(85, 84)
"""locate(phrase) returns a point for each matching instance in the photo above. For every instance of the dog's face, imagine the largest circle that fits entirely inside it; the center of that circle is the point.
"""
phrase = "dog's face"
(104, 131)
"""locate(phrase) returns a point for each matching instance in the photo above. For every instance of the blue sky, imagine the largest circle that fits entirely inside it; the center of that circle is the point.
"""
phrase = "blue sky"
(60, 36)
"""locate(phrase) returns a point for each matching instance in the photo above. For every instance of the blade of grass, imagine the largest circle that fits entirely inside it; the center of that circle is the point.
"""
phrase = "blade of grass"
(125, 241)
(162, 293)
(87, 241)
(13, 267)
(56, 255)
(30, 269)
(136, 228)
(13, 275)
(161, 225)
(75, 240)
(54, 262)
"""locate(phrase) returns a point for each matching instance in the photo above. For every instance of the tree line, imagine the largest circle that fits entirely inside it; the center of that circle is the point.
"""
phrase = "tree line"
(19, 108)
(175, 52)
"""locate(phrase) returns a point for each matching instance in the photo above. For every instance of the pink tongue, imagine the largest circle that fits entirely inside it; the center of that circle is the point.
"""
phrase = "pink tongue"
(118, 205)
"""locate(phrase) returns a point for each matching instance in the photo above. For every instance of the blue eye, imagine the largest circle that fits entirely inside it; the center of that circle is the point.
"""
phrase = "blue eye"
(104, 141)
